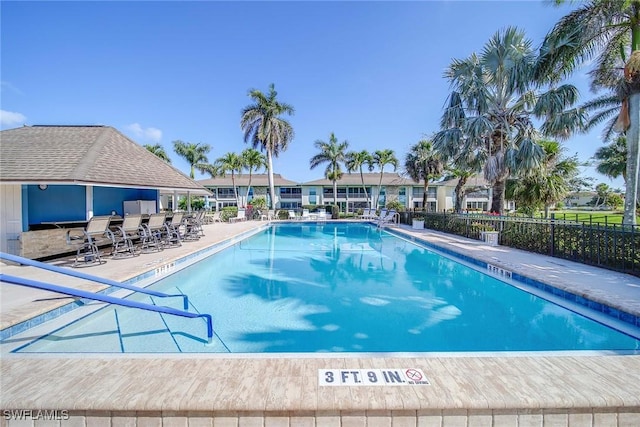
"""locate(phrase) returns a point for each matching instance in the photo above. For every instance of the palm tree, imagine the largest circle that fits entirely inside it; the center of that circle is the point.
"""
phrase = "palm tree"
(263, 126)
(194, 154)
(158, 150)
(355, 160)
(491, 110)
(608, 31)
(611, 160)
(253, 160)
(230, 162)
(381, 158)
(423, 163)
(549, 184)
(333, 153)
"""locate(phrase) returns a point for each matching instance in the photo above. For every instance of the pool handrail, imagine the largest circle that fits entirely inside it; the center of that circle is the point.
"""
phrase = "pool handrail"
(106, 298)
(80, 275)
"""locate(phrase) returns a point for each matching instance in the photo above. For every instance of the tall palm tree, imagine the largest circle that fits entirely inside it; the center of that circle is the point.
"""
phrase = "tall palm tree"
(355, 161)
(611, 160)
(158, 150)
(230, 162)
(252, 160)
(549, 184)
(334, 154)
(263, 126)
(423, 163)
(194, 154)
(381, 158)
(608, 31)
(491, 110)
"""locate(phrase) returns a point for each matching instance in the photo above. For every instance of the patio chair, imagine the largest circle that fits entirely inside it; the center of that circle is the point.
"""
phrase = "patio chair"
(388, 218)
(123, 238)
(88, 252)
(172, 235)
(239, 217)
(305, 215)
(366, 213)
(152, 232)
(212, 217)
(292, 215)
(193, 226)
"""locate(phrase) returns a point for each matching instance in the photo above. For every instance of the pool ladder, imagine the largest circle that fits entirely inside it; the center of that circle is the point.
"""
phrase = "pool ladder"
(99, 297)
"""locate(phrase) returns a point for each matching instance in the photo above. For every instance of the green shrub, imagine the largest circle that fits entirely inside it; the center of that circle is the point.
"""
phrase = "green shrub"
(228, 212)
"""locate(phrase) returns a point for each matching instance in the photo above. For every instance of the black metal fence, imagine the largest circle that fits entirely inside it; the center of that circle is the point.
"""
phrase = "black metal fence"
(611, 246)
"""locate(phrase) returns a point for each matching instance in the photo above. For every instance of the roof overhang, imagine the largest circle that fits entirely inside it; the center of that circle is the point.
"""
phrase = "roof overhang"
(163, 190)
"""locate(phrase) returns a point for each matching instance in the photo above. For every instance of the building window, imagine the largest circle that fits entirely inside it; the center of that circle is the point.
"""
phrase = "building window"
(312, 196)
(290, 192)
(226, 193)
(358, 192)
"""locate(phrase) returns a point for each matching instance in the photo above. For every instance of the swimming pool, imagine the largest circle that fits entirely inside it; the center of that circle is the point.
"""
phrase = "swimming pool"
(340, 287)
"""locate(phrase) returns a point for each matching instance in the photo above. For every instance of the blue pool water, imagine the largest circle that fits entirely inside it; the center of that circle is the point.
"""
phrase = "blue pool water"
(346, 287)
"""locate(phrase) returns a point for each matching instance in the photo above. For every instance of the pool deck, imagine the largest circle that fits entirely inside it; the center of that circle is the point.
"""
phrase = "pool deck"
(499, 389)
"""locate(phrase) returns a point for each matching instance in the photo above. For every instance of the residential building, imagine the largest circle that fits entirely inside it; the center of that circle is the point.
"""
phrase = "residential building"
(351, 194)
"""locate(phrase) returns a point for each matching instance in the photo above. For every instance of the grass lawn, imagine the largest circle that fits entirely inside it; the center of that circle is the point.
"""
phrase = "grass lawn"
(602, 217)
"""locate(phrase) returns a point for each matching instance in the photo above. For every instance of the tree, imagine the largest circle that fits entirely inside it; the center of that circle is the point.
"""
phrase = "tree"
(252, 160)
(230, 162)
(334, 154)
(611, 160)
(194, 154)
(381, 158)
(158, 150)
(263, 126)
(355, 160)
(608, 31)
(423, 163)
(549, 184)
(603, 191)
(491, 109)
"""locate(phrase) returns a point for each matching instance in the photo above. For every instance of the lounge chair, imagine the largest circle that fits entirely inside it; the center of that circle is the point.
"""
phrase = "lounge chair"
(123, 239)
(269, 216)
(292, 215)
(241, 216)
(172, 236)
(212, 217)
(366, 214)
(193, 226)
(305, 215)
(152, 232)
(388, 218)
(89, 239)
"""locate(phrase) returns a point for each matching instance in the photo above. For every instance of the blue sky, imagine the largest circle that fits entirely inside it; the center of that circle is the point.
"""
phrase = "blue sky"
(160, 71)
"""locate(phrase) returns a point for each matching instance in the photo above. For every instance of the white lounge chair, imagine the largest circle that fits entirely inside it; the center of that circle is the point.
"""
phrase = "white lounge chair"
(305, 215)
(292, 215)
(239, 217)
(388, 218)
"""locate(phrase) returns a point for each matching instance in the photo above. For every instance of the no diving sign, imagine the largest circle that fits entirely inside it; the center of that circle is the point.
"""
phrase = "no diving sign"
(372, 377)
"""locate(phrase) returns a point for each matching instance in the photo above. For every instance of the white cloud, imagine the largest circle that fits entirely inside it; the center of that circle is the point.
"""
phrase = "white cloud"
(5, 85)
(10, 118)
(148, 134)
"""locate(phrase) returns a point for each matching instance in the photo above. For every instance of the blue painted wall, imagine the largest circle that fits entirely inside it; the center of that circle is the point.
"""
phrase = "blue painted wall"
(56, 203)
(106, 199)
(68, 202)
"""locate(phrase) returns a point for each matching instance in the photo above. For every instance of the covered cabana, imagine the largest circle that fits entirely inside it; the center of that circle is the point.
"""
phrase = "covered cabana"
(52, 177)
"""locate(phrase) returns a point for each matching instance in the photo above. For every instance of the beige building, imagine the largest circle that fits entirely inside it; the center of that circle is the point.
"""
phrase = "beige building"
(351, 194)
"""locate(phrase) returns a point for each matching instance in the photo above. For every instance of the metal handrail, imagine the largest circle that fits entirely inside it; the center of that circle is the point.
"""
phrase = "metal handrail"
(106, 298)
(75, 273)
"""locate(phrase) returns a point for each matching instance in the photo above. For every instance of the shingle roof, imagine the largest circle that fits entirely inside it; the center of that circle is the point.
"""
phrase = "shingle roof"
(91, 155)
(257, 180)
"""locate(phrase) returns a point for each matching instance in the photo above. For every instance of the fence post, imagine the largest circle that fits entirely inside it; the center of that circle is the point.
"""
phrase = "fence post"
(553, 234)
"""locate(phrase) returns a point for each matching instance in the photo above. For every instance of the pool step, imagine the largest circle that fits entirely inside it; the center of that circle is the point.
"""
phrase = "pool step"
(144, 332)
